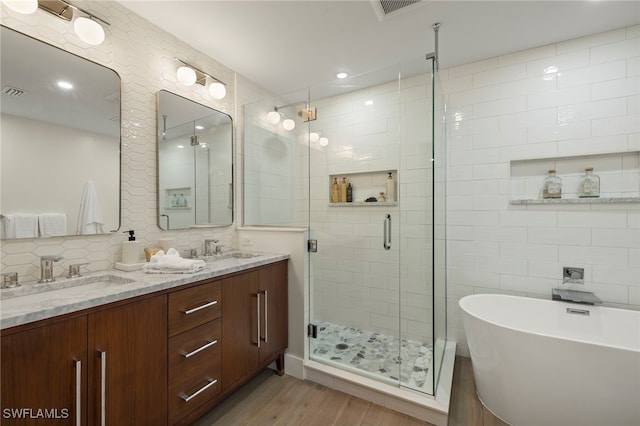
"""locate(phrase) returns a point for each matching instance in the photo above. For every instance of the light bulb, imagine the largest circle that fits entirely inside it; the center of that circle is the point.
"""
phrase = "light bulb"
(25, 7)
(217, 90)
(323, 141)
(186, 76)
(89, 31)
(289, 124)
(273, 117)
(314, 137)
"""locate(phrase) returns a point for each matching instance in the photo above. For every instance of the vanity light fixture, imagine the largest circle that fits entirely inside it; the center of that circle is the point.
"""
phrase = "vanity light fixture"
(26, 7)
(323, 141)
(342, 75)
(273, 117)
(288, 124)
(189, 75)
(85, 24)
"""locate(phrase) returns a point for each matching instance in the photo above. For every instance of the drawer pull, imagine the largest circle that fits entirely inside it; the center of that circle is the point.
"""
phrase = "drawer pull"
(201, 348)
(197, 308)
(78, 393)
(187, 398)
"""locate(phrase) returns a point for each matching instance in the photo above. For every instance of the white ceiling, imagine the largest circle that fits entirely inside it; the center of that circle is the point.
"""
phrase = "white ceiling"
(290, 45)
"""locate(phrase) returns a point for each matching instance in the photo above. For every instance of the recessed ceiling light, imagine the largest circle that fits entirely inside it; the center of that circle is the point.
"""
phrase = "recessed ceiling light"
(368, 102)
(65, 85)
(199, 127)
(342, 75)
(180, 146)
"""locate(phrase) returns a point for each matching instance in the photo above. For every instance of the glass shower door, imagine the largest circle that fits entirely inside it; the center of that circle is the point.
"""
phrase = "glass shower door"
(355, 143)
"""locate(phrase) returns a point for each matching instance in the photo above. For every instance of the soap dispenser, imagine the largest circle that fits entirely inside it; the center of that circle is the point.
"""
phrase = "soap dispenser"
(131, 249)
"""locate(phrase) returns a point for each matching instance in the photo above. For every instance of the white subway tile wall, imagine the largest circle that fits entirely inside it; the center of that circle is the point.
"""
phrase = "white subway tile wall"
(573, 98)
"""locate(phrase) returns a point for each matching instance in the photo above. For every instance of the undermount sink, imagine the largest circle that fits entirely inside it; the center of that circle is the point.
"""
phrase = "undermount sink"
(65, 285)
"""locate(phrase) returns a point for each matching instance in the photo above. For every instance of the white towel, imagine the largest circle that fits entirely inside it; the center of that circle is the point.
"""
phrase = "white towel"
(52, 224)
(21, 225)
(90, 216)
(172, 263)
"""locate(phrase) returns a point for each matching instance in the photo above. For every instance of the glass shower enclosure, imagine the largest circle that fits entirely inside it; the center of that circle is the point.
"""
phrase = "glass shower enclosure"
(376, 210)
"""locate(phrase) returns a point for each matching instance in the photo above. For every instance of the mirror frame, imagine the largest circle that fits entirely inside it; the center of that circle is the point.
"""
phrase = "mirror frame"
(159, 129)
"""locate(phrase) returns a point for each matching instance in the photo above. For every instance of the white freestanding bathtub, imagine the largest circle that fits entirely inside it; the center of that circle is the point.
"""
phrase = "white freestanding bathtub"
(542, 362)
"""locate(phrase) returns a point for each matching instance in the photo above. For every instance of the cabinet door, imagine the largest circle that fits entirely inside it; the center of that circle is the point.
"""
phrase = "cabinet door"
(239, 327)
(128, 361)
(44, 370)
(274, 310)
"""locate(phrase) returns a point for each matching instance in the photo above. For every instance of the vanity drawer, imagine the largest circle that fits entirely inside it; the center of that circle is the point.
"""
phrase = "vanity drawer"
(194, 306)
(194, 368)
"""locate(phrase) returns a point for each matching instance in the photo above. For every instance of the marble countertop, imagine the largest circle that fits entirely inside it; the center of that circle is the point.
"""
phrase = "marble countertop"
(24, 304)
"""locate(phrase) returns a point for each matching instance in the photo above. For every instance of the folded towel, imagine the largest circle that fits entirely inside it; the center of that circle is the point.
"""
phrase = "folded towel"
(172, 263)
(21, 225)
(52, 224)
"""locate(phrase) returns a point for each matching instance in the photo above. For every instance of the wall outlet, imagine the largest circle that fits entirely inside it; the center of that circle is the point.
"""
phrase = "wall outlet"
(245, 241)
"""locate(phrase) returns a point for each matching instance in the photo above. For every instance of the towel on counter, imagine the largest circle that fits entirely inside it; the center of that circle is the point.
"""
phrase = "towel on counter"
(21, 225)
(52, 224)
(172, 263)
(90, 216)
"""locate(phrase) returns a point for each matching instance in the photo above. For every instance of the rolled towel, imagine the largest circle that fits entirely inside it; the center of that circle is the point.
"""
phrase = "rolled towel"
(172, 263)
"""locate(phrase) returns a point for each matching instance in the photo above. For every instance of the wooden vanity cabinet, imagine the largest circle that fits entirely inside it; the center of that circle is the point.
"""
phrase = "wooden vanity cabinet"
(45, 368)
(154, 360)
(254, 323)
(128, 364)
(195, 338)
(111, 364)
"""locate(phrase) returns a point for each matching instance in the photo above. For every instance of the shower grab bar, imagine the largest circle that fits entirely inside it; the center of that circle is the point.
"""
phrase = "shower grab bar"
(387, 232)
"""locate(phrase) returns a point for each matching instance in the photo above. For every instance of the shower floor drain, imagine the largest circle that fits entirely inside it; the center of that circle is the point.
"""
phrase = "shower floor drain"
(342, 346)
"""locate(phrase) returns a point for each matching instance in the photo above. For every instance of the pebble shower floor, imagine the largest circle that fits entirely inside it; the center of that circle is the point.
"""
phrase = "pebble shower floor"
(374, 353)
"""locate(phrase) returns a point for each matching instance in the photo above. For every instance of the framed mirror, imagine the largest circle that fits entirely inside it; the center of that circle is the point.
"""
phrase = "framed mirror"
(60, 141)
(195, 164)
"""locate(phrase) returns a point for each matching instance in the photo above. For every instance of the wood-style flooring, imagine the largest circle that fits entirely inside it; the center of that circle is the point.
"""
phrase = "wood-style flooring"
(273, 400)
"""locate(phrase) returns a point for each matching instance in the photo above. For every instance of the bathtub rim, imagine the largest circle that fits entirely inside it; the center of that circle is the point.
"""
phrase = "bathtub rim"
(629, 348)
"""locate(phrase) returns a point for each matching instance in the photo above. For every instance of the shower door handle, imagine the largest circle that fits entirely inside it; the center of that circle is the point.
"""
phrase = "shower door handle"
(387, 232)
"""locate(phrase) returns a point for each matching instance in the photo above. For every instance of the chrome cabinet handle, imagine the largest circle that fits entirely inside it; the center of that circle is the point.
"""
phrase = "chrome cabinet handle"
(387, 232)
(187, 398)
(266, 318)
(78, 393)
(201, 348)
(258, 317)
(197, 308)
(103, 388)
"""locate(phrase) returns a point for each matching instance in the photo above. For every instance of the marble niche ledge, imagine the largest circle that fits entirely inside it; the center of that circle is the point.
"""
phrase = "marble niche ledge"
(603, 200)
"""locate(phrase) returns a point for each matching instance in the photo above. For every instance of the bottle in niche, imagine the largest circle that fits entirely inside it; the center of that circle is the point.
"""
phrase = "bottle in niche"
(334, 191)
(174, 200)
(182, 202)
(552, 185)
(343, 190)
(349, 193)
(589, 184)
(391, 188)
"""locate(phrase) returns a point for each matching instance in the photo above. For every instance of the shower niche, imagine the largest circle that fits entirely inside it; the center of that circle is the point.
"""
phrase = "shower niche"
(368, 189)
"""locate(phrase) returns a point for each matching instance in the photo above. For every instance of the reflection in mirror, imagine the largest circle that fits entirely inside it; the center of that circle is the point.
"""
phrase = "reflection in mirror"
(60, 164)
(195, 164)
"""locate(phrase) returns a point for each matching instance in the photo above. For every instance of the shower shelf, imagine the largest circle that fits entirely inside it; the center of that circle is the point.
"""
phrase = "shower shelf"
(619, 174)
(365, 204)
(601, 200)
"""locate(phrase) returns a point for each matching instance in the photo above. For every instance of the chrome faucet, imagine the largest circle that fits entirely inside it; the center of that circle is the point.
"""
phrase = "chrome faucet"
(46, 268)
(211, 247)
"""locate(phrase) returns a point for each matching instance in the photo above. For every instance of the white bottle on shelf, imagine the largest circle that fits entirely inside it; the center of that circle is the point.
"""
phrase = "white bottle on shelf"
(391, 188)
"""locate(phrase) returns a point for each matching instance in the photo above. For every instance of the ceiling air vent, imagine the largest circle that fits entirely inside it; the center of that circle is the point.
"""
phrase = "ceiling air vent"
(387, 8)
(12, 91)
